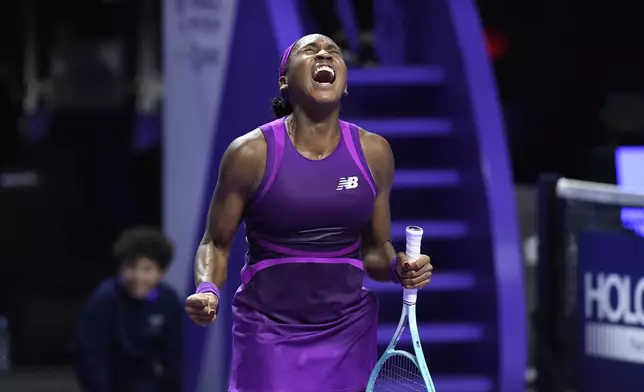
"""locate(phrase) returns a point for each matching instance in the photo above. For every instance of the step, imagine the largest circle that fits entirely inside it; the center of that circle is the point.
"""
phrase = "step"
(462, 383)
(399, 127)
(441, 333)
(455, 254)
(431, 229)
(439, 201)
(442, 383)
(445, 281)
(396, 76)
(412, 178)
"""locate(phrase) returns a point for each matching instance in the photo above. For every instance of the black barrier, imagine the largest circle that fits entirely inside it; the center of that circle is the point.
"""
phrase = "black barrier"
(589, 318)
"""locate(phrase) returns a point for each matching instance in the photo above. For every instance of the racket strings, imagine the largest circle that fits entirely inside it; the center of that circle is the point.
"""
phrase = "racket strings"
(399, 373)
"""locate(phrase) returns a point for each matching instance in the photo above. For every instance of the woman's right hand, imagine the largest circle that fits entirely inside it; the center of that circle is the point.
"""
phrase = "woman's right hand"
(202, 308)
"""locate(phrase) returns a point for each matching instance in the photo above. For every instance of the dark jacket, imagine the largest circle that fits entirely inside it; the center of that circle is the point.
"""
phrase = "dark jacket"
(123, 344)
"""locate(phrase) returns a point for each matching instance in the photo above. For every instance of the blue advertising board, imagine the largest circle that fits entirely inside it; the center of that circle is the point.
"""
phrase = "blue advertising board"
(611, 306)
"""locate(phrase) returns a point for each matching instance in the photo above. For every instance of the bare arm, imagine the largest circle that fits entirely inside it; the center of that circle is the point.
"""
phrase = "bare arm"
(240, 172)
(377, 250)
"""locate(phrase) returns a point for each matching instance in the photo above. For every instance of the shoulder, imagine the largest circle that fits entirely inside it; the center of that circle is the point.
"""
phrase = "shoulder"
(375, 145)
(105, 296)
(107, 289)
(247, 148)
(244, 160)
(377, 152)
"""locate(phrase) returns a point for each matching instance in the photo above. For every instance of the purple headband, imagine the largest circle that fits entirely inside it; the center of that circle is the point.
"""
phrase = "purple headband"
(284, 61)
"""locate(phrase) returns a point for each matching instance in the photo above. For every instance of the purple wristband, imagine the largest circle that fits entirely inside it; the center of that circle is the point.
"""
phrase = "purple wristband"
(207, 287)
(393, 274)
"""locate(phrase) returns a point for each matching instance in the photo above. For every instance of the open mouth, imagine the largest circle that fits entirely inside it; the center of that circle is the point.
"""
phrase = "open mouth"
(324, 75)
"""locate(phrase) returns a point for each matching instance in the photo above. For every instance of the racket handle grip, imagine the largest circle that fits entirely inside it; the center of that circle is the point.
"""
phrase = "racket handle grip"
(414, 236)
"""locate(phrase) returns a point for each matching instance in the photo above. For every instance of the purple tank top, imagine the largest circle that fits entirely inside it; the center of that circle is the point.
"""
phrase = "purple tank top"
(303, 228)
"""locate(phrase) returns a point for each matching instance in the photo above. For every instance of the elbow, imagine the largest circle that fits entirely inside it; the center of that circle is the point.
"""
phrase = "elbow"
(378, 274)
(376, 267)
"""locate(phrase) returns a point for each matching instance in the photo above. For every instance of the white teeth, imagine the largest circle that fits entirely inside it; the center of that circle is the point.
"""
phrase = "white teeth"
(324, 68)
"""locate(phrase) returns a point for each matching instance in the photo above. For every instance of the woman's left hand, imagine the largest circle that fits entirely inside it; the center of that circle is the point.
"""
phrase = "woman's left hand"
(414, 274)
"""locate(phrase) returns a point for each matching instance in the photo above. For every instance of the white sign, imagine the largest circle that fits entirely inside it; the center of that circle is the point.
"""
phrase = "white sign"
(197, 39)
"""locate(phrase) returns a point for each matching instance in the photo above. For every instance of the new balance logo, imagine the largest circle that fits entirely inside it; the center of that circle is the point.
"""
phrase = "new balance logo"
(347, 183)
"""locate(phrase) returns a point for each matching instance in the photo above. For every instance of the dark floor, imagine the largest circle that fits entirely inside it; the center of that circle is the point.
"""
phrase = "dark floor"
(40, 380)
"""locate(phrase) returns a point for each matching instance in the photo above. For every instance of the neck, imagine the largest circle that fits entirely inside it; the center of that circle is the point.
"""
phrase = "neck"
(317, 135)
(320, 122)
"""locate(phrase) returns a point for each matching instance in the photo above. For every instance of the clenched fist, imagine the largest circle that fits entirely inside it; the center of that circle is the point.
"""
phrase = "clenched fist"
(202, 308)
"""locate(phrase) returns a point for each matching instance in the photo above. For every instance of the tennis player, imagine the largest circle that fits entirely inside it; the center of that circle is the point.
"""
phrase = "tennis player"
(313, 192)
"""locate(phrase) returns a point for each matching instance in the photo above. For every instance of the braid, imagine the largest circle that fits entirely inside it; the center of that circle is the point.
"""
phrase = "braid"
(281, 107)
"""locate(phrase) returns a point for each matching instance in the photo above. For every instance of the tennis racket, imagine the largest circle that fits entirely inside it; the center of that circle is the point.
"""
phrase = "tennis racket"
(398, 370)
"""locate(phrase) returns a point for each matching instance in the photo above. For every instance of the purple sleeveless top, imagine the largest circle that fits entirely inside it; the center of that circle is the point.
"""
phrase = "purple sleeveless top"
(303, 228)
(301, 320)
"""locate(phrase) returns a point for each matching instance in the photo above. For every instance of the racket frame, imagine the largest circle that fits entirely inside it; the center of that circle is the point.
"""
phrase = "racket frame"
(407, 319)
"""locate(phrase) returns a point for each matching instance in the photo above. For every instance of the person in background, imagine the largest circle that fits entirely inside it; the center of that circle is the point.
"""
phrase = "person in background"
(129, 336)
(329, 24)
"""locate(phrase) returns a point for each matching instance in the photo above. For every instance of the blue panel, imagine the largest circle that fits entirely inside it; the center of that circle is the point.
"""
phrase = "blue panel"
(448, 384)
(435, 333)
(426, 179)
(405, 127)
(463, 384)
(431, 229)
(445, 281)
(396, 76)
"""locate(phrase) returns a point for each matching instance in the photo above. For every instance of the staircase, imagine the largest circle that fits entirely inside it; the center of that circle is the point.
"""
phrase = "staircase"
(439, 186)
